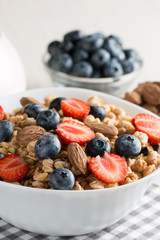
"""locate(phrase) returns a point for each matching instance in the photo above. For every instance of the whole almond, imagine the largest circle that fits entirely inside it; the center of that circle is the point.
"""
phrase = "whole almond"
(103, 128)
(139, 89)
(29, 134)
(151, 108)
(26, 100)
(151, 93)
(77, 157)
(133, 97)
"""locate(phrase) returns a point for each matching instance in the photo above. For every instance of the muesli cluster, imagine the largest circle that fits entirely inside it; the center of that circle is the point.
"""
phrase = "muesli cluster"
(69, 144)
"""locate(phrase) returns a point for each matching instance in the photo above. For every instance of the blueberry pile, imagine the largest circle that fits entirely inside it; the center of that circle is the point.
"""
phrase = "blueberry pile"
(92, 56)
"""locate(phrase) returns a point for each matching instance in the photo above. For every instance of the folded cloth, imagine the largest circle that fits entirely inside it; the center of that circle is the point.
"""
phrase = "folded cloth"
(141, 224)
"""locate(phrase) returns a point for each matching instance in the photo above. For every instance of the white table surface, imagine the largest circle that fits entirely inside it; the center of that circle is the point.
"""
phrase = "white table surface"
(32, 24)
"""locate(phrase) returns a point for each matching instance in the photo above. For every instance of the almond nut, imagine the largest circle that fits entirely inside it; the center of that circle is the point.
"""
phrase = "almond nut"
(139, 89)
(133, 97)
(77, 157)
(103, 128)
(151, 93)
(26, 100)
(150, 108)
(29, 134)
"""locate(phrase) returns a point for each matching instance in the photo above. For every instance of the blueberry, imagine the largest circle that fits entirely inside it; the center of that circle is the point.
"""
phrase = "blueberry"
(67, 46)
(97, 146)
(131, 53)
(155, 147)
(33, 109)
(56, 103)
(127, 145)
(144, 151)
(117, 38)
(114, 48)
(63, 63)
(97, 112)
(130, 65)
(62, 179)
(83, 69)
(55, 48)
(100, 57)
(79, 55)
(1, 155)
(48, 119)
(92, 42)
(47, 146)
(6, 130)
(97, 74)
(113, 69)
(73, 36)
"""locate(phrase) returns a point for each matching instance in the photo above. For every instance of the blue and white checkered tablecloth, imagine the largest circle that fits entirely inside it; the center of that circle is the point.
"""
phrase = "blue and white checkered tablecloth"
(141, 224)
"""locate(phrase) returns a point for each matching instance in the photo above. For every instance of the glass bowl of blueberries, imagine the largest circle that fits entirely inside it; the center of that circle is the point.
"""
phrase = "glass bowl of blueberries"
(92, 61)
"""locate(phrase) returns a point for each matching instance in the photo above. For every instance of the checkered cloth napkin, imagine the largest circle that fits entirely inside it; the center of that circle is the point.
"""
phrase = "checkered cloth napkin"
(141, 224)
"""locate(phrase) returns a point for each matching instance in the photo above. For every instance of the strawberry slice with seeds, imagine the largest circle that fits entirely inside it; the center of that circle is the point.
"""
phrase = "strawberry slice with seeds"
(12, 167)
(75, 108)
(148, 124)
(2, 114)
(110, 168)
(73, 131)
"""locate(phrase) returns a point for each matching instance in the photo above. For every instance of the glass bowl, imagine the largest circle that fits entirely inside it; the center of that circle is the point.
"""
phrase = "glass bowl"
(115, 86)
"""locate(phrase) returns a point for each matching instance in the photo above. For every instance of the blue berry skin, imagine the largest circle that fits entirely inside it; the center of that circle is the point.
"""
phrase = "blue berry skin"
(100, 57)
(97, 74)
(97, 112)
(63, 63)
(82, 69)
(47, 146)
(6, 130)
(130, 65)
(117, 38)
(55, 48)
(127, 145)
(67, 46)
(114, 48)
(56, 103)
(48, 119)
(32, 109)
(98, 146)
(113, 69)
(1, 155)
(131, 53)
(62, 179)
(73, 36)
(92, 42)
(79, 55)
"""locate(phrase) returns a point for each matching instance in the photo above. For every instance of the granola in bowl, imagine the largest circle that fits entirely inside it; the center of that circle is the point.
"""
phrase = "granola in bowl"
(70, 144)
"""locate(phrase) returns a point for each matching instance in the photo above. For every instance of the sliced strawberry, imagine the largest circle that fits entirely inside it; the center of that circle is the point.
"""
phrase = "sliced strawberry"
(2, 114)
(148, 124)
(73, 131)
(75, 108)
(110, 168)
(12, 167)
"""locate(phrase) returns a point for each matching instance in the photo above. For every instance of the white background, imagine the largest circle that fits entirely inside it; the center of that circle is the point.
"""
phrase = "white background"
(31, 24)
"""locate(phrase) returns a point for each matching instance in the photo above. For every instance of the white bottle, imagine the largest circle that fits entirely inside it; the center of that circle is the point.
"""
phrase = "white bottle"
(12, 74)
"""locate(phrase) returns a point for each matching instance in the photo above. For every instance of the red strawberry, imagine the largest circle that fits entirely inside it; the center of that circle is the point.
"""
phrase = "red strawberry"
(148, 124)
(110, 168)
(2, 114)
(72, 131)
(12, 167)
(75, 108)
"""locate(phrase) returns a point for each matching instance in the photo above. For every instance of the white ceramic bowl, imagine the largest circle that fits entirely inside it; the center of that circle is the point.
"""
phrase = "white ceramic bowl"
(68, 213)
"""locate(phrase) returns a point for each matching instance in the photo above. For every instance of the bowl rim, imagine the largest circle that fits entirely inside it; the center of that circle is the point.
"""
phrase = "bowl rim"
(124, 78)
(52, 191)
